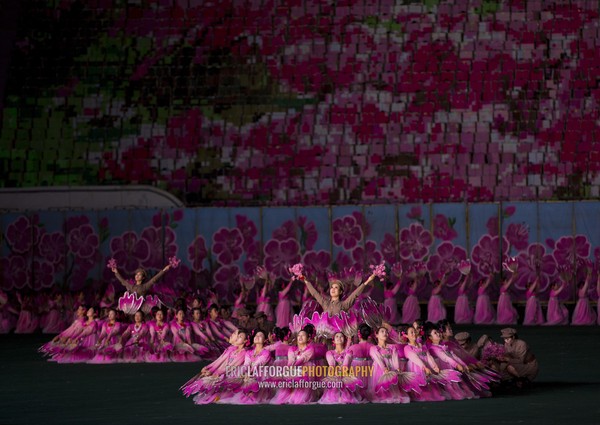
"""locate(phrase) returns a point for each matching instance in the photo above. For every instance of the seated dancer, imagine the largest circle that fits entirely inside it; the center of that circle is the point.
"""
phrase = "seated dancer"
(361, 356)
(110, 333)
(246, 388)
(519, 363)
(334, 304)
(303, 354)
(134, 342)
(184, 347)
(341, 387)
(161, 338)
(61, 340)
(210, 384)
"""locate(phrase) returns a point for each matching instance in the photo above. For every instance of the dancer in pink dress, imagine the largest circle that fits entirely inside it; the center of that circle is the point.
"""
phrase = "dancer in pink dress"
(411, 310)
(201, 334)
(279, 345)
(110, 334)
(54, 322)
(184, 347)
(584, 315)
(507, 313)
(240, 301)
(361, 357)
(453, 390)
(435, 306)
(219, 328)
(388, 382)
(390, 300)
(283, 311)
(28, 321)
(463, 312)
(341, 387)
(60, 341)
(557, 313)
(161, 339)
(82, 343)
(421, 363)
(246, 388)
(209, 385)
(533, 308)
(484, 311)
(263, 302)
(8, 315)
(299, 390)
(134, 343)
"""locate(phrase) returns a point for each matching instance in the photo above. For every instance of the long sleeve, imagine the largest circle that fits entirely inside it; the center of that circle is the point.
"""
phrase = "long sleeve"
(126, 284)
(348, 302)
(317, 296)
(377, 358)
(411, 355)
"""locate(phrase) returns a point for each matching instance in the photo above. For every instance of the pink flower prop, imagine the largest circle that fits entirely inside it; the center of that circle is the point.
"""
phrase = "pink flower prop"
(297, 270)
(130, 303)
(493, 351)
(379, 271)
(174, 262)
(397, 270)
(112, 264)
(151, 301)
(511, 264)
(464, 267)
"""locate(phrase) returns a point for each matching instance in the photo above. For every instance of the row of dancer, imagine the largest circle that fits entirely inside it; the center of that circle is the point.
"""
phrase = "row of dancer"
(505, 313)
(110, 340)
(376, 368)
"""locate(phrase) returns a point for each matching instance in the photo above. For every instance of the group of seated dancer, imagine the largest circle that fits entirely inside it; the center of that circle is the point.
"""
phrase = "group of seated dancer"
(329, 357)
(113, 340)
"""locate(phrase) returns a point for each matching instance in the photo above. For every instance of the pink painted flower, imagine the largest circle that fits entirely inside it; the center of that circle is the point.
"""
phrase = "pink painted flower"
(83, 241)
(533, 263)
(162, 242)
(280, 255)
(197, 253)
(362, 223)
(346, 232)
(389, 248)
(308, 233)
(415, 242)
(446, 259)
(42, 276)
(226, 278)
(22, 234)
(15, 272)
(517, 235)
(248, 229)
(227, 245)
(316, 263)
(253, 257)
(570, 250)
(442, 228)
(129, 251)
(52, 247)
(364, 257)
(487, 254)
(286, 231)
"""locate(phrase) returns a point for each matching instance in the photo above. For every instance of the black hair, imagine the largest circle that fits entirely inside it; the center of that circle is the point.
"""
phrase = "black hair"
(212, 307)
(364, 331)
(309, 328)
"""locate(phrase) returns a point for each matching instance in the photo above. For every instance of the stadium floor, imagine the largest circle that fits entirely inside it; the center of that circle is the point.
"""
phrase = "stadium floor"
(35, 391)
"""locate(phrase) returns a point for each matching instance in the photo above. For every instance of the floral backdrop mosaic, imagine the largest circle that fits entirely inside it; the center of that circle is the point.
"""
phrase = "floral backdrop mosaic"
(218, 246)
(307, 102)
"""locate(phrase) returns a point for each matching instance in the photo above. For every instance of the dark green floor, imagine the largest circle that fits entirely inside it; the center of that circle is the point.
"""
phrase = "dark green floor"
(34, 391)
